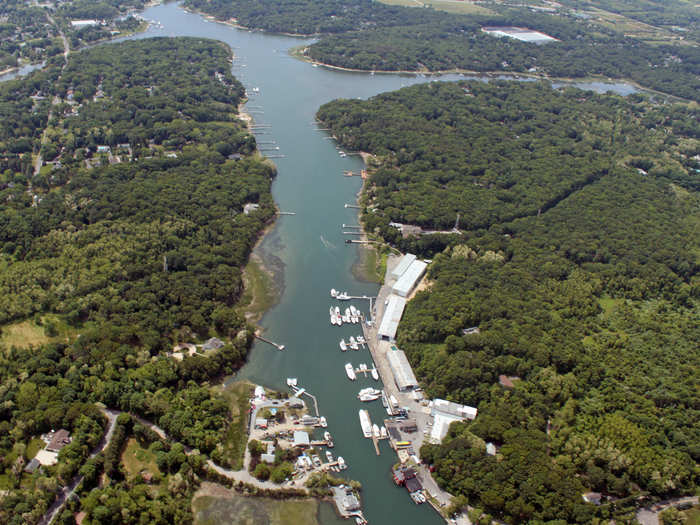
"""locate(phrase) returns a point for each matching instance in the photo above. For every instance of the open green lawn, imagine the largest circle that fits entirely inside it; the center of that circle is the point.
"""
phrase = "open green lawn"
(241, 510)
(692, 516)
(451, 6)
(136, 459)
(28, 333)
(34, 446)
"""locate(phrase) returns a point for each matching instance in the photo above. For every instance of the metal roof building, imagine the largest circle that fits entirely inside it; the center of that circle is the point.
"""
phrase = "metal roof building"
(453, 409)
(390, 319)
(409, 278)
(401, 368)
(403, 265)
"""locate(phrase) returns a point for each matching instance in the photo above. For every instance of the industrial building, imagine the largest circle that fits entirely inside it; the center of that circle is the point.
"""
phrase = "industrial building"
(446, 412)
(409, 279)
(402, 371)
(390, 319)
(402, 266)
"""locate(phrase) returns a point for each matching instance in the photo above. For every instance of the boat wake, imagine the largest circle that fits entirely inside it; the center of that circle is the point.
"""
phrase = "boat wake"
(328, 244)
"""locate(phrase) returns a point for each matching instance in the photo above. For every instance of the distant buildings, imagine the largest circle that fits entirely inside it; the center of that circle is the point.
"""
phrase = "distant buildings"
(519, 33)
(409, 279)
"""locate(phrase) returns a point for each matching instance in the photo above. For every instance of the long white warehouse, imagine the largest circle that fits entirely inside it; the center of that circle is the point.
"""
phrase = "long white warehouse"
(407, 282)
(390, 319)
(401, 368)
(402, 265)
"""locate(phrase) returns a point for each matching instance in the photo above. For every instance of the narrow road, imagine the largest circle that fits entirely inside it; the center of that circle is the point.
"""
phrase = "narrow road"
(650, 516)
(68, 491)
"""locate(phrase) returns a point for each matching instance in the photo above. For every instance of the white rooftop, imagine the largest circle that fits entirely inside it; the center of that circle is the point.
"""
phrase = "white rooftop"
(409, 278)
(401, 368)
(392, 316)
(301, 438)
(46, 458)
(402, 265)
(519, 33)
(453, 409)
(441, 424)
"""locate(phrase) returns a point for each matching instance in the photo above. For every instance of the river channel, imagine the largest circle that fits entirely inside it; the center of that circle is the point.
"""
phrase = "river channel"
(309, 246)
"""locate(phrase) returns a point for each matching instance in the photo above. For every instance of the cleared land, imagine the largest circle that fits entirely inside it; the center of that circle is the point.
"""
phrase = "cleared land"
(213, 505)
(451, 6)
(136, 459)
(236, 439)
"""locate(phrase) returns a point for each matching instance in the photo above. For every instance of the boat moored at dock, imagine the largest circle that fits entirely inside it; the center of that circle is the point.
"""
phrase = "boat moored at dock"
(343, 345)
(365, 423)
(350, 371)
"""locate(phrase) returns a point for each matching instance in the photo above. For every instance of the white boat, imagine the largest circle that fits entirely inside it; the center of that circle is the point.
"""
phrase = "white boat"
(369, 390)
(350, 371)
(354, 319)
(343, 296)
(394, 402)
(291, 381)
(383, 434)
(375, 374)
(368, 397)
(337, 311)
(334, 292)
(327, 435)
(347, 313)
(353, 343)
(343, 345)
(341, 463)
(322, 421)
(360, 339)
(329, 456)
(353, 310)
(365, 423)
(345, 319)
(363, 367)
(375, 430)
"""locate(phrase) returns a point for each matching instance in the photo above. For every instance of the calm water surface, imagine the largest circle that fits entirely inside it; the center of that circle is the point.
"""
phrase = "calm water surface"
(310, 246)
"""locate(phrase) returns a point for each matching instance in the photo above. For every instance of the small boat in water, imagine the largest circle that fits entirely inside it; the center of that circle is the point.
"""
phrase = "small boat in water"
(383, 434)
(343, 345)
(291, 381)
(341, 463)
(329, 456)
(369, 390)
(360, 339)
(343, 296)
(350, 371)
(375, 430)
(375, 374)
(368, 397)
(353, 310)
(334, 292)
(329, 439)
(353, 343)
(363, 367)
(322, 421)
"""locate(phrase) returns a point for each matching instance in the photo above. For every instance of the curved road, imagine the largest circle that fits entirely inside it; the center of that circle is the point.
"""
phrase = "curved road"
(69, 489)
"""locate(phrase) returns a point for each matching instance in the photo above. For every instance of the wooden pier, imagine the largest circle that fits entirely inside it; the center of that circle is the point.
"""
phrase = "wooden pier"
(275, 156)
(345, 226)
(375, 440)
(286, 213)
(353, 206)
(353, 233)
(276, 345)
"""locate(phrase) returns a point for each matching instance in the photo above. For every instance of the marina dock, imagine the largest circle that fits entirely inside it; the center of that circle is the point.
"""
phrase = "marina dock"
(276, 345)
(353, 206)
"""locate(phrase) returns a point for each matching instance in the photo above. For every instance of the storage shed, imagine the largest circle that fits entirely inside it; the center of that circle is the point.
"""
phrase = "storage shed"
(390, 319)
(409, 279)
(402, 265)
(401, 368)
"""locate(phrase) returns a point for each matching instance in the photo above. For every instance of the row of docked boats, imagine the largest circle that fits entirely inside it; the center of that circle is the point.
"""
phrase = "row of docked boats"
(341, 296)
(363, 368)
(369, 394)
(370, 430)
(353, 343)
(350, 316)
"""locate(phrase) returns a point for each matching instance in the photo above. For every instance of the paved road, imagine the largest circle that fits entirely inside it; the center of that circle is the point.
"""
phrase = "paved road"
(650, 516)
(68, 491)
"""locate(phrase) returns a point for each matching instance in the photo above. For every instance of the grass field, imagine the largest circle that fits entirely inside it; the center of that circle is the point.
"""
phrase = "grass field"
(692, 516)
(236, 438)
(451, 6)
(234, 509)
(34, 446)
(135, 459)
(28, 333)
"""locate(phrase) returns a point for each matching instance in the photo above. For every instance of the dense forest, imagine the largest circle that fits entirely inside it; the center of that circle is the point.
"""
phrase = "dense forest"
(577, 258)
(131, 236)
(361, 34)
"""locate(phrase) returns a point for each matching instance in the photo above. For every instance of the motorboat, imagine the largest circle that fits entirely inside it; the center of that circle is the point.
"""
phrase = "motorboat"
(368, 397)
(353, 344)
(354, 310)
(329, 440)
(375, 374)
(360, 339)
(350, 371)
(329, 456)
(370, 390)
(334, 292)
(383, 434)
(343, 345)
(341, 463)
(375, 430)
(291, 381)
(363, 367)
(343, 296)
(365, 423)
(322, 421)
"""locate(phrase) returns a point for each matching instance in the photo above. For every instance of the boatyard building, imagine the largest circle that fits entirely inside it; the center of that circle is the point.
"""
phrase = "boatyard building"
(402, 371)
(446, 412)
(390, 319)
(409, 279)
(403, 265)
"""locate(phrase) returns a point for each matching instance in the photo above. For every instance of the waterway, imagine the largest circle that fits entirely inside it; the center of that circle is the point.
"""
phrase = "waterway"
(309, 246)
